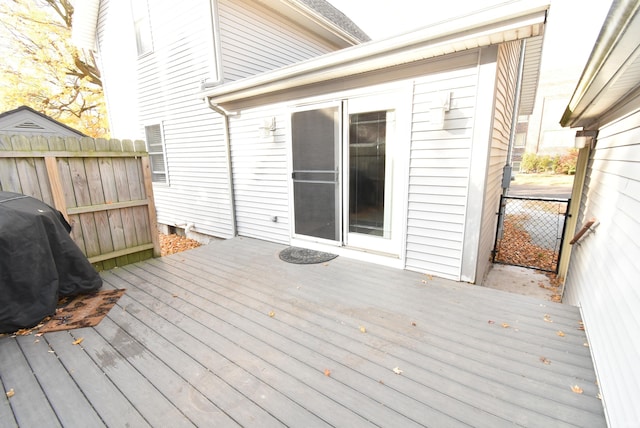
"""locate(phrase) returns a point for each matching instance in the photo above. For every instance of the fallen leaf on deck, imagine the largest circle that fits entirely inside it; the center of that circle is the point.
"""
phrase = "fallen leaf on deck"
(397, 370)
(585, 344)
(505, 325)
(362, 329)
(10, 393)
(491, 322)
(560, 333)
(78, 341)
(545, 360)
(414, 324)
(272, 314)
(327, 372)
(576, 389)
(599, 396)
(547, 318)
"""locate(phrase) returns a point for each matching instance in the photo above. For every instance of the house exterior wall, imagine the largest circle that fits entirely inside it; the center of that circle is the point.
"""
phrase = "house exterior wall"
(603, 273)
(271, 43)
(260, 177)
(440, 158)
(439, 172)
(163, 88)
(506, 82)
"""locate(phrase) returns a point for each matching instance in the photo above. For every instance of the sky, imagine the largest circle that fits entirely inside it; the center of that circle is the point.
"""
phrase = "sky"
(385, 18)
(572, 27)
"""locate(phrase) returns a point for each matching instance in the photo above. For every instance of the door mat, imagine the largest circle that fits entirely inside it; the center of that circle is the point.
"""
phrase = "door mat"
(85, 310)
(303, 256)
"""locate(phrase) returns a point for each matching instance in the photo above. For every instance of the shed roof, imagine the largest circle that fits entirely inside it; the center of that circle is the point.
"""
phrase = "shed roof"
(611, 77)
(25, 120)
(510, 21)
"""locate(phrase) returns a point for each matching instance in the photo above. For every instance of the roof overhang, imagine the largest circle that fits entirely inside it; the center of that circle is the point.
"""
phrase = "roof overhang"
(612, 75)
(309, 18)
(507, 22)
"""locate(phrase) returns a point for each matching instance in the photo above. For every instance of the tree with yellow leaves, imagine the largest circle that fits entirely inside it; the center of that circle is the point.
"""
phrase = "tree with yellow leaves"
(43, 70)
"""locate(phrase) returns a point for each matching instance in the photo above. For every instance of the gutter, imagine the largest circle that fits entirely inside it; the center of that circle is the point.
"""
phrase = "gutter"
(609, 54)
(227, 139)
(522, 19)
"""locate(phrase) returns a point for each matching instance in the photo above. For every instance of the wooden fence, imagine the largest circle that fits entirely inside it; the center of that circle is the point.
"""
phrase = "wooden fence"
(102, 187)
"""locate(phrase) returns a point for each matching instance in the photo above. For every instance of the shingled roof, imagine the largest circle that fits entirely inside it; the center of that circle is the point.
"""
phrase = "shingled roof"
(338, 18)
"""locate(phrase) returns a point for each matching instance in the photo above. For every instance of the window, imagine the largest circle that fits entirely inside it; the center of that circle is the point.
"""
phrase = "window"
(142, 26)
(155, 147)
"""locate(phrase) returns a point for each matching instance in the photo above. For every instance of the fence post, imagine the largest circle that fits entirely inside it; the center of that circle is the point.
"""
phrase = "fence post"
(148, 188)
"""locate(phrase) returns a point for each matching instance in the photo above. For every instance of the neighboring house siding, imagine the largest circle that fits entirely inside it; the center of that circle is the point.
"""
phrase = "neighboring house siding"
(255, 39)
(439, 172)
(506, 79)
(603, 275)
(260, 175)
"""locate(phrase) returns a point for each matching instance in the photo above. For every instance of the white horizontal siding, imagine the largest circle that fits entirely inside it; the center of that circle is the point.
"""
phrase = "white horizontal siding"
(604, 272)
(169, 82)
(506, 81)
(438, 174)
(254, 39)
(260, 175)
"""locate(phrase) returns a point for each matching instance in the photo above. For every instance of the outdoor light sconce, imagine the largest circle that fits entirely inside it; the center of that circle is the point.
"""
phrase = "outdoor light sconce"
(440, 104)
(268, 128)
(585, 137)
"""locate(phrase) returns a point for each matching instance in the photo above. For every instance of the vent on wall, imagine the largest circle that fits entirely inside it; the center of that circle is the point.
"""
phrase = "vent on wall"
(29, 125)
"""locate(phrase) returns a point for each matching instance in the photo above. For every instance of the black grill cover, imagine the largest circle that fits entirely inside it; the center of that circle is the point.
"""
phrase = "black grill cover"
(38, 262)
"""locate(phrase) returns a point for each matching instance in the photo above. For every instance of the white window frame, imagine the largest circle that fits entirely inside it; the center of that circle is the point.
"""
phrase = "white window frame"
(142, 27)
(162, 152)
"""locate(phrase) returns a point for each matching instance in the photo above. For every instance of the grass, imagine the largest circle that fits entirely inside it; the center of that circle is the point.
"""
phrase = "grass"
(544, 179)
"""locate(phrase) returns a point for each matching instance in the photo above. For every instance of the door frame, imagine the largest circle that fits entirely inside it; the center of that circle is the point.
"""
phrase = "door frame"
(402, 94)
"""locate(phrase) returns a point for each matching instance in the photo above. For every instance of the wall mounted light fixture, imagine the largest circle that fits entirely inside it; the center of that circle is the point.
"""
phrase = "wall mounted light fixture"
(440, 103)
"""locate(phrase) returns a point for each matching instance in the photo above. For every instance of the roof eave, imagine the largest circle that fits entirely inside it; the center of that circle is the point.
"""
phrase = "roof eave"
(514, 22)
(614, 51)
(314, 21)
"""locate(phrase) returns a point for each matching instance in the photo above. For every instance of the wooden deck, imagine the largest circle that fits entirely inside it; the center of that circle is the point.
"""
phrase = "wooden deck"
(229, 335)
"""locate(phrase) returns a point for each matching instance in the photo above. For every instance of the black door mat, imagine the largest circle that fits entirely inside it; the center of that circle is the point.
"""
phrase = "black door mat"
(304, 256)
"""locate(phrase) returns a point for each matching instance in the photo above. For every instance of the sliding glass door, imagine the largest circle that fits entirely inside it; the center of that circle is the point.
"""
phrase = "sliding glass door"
(346, 187)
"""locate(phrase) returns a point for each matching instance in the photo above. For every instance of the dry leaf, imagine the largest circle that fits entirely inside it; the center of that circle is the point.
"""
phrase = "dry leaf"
(362, 329)
(491, 322)
(585, 344)
(505, 325)
(560, 333)
(10, 393)
(576, 389)
(272, 314)
(545, 360)
(397, 370)
(547, 318)
(414, 324)
(327, 372)
(78, 341)
(599, 396)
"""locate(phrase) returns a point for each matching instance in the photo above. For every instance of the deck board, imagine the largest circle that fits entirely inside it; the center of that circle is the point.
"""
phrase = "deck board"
(192, 343)
(67, 401)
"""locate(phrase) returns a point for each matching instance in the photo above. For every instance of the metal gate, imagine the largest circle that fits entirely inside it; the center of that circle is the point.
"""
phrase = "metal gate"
(530, 232)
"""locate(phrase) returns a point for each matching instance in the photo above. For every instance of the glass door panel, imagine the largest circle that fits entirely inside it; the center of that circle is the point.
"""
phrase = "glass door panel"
(367, 177)
(315, 161)
(373, 220)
